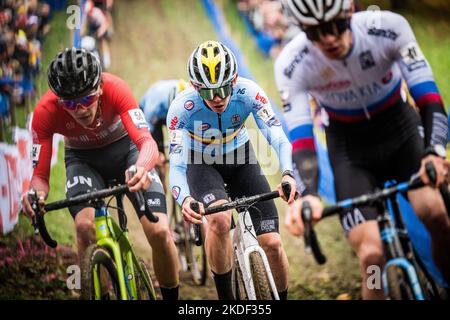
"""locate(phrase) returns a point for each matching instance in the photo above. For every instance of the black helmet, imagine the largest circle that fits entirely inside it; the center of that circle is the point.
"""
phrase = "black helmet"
(74, 73)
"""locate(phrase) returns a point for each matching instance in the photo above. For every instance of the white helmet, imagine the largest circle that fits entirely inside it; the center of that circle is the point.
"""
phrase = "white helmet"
(212, 65)
(314, 12)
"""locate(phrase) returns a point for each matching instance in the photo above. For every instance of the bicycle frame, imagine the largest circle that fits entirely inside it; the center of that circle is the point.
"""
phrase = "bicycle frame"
(109, 235)
(244, 243)
(397, 248)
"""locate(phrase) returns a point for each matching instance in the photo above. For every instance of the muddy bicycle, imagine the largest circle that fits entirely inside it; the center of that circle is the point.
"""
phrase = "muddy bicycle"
(405, 276)
(109, 269)
(251, 277)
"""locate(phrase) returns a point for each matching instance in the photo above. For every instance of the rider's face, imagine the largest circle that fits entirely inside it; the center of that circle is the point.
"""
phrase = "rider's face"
(217, 104)
(335, 47)
(334, 38)
(85, 115)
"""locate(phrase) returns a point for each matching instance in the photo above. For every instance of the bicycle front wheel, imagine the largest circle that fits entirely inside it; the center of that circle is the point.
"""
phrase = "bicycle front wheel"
(99, 279)
(260, 277)
(240, 293)
(144, 293)
(398, 284)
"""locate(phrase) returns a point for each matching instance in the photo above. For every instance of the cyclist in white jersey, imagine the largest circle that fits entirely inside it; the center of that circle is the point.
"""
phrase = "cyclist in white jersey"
(209, 146)
(353, 65)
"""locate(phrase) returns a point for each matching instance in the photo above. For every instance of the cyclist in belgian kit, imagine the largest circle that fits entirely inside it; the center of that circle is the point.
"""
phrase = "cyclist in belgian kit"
(105, 133)
(353, 65)
(209, 146)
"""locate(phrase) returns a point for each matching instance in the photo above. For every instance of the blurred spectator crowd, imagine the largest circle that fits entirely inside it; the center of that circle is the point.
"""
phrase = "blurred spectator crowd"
(23, 26)
(268, 23)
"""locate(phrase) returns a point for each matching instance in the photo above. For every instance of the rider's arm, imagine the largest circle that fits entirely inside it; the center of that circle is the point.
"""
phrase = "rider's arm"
(299, 122)
(42, 132)
(418, 74)
(270, 126)
(178, 154)
(134, 122)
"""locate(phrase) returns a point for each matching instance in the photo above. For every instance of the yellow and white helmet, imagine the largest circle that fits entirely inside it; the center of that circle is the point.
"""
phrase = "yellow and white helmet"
(212, 65)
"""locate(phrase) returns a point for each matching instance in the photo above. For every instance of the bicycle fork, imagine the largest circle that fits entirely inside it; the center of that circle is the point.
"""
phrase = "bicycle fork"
(105, 235)
(395, 255)
(244, 243)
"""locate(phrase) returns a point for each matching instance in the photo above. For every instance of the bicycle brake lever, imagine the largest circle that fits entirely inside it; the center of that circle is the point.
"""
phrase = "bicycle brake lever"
(306, 217)
(32, 198)
(197, 229)
(431, 172)
(140, 198)
(286, 187)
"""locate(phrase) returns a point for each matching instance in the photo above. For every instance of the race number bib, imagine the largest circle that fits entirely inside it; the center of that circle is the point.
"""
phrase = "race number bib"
(138, 118)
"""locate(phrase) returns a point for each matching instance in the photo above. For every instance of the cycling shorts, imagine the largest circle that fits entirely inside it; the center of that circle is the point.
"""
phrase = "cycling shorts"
(95, 169)
(243, 177)
(367, 154)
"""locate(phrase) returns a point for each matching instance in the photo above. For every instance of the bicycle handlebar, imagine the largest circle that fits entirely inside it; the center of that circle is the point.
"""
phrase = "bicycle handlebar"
(38, 221)
(310, 238)
(244, 201)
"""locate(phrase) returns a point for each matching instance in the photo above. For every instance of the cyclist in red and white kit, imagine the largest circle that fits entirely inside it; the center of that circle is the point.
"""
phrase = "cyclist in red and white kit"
(105, 133)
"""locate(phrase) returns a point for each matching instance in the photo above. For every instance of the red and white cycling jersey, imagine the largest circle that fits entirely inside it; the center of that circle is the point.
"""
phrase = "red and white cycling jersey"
(120, 115)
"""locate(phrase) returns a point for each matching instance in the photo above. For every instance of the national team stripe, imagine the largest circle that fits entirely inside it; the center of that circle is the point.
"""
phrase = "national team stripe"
(301, 144)
(300, 132)
(373, 109)
(425, 92)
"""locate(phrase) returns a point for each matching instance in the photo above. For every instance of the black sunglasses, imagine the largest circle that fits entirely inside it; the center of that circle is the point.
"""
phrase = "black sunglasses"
(335, 27)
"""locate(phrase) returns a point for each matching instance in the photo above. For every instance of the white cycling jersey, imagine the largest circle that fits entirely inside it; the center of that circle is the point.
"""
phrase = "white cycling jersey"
(365, 82)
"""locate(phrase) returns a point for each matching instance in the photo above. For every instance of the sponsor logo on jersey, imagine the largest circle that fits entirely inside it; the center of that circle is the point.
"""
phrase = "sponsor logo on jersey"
(385, 33)
(235, 119)
(351, 219)
(241, 91)
(173, 123)
(35, 152)
(268, 116)
(205, 126)
(70, 125)
(268, 225)
(207, 199)
(412, 56)
(176, 192)
(175, 141)
(78, 180)
(138, 118)
(189, 105)
(261, 98)
(366, 60)
(387, 78)
(297, 59)
(154, 202)
(336, 85)
(256, 105)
